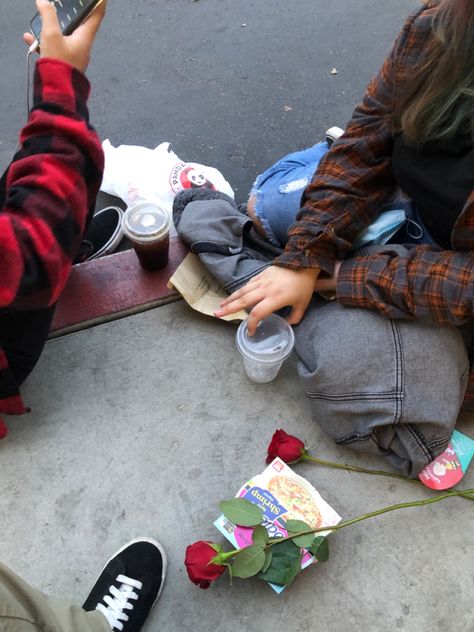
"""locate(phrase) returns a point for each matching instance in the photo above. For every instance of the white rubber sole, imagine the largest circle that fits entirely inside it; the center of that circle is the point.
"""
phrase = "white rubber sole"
(333, 133)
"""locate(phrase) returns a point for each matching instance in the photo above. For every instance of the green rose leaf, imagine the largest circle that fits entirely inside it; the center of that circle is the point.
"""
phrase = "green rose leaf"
(285, 564)
(320, 548)
(304, 541)
(260, 535)
(241, 512)
(268, 560)
(295, 526)
(249, 562)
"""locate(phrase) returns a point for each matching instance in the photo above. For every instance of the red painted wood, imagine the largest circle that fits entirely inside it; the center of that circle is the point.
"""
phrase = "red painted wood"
(113, 286)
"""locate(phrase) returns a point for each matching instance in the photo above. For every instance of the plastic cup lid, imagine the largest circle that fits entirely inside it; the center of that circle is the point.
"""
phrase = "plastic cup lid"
(272, 342)
(146, 222)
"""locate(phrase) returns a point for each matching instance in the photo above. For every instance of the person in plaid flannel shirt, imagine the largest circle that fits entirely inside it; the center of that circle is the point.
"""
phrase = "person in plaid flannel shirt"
(46, 196)
(413, 131)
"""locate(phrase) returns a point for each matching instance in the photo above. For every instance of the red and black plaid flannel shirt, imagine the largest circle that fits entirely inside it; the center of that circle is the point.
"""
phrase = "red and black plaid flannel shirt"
(49, 187)
(351, 184)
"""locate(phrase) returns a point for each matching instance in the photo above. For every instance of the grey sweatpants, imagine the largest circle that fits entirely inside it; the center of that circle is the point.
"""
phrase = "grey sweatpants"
(25, 609)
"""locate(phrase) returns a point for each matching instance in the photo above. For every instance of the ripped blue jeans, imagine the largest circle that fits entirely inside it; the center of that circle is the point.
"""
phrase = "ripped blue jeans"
(278, 191)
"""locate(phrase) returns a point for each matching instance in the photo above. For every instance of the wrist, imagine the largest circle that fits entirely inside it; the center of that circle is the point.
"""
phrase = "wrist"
(62, 62)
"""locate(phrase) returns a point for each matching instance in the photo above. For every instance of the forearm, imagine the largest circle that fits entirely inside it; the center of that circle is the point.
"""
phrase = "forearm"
(51, 183)
(437, 286)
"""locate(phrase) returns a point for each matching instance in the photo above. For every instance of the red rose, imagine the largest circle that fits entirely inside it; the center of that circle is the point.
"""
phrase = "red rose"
(289, 448)
(201, 570)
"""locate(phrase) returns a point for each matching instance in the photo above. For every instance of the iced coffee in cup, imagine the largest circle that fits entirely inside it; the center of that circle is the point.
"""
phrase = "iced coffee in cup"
(265, 351)
(148, 228)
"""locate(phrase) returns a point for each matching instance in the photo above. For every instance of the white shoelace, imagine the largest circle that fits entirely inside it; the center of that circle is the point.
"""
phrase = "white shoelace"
(119, 600)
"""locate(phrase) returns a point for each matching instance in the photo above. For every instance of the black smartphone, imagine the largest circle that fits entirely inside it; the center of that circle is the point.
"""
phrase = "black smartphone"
(71, 13)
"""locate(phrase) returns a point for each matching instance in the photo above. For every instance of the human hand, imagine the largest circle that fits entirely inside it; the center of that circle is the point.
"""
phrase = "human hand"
(74, 49)
(271, 290)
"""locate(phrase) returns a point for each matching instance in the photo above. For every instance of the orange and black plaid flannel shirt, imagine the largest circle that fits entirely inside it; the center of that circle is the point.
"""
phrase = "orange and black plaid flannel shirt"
(352, 183)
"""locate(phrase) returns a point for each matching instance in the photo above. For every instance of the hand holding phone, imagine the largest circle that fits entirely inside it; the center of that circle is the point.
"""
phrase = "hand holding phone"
(75, 48)
(71, 14)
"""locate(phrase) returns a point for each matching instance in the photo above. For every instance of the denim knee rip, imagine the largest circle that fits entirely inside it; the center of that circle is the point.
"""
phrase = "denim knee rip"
(278, 190)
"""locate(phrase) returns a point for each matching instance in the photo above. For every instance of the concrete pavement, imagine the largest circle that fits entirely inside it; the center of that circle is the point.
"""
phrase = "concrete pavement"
(142, 425)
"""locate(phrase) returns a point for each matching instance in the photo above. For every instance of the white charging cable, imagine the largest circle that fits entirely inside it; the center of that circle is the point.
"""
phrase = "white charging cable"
(32, 49)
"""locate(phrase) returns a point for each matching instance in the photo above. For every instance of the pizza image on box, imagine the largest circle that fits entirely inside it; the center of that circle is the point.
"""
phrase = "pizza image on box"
(297, 500)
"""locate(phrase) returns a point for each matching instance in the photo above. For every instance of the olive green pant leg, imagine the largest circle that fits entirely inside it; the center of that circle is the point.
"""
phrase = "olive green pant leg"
(25, 609)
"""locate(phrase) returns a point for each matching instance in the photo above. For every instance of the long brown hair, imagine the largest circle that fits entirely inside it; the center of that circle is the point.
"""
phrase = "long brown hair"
(438, 103)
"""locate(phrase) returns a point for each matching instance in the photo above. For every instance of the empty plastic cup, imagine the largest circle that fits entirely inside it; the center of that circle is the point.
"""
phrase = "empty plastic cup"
(265, 351)
(148, 227)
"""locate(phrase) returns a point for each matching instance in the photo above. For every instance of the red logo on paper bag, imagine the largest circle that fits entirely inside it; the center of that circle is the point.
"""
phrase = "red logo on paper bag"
(185, 176)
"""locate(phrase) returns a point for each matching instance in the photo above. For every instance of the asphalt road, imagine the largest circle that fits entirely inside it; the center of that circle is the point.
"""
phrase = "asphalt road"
(233, 84)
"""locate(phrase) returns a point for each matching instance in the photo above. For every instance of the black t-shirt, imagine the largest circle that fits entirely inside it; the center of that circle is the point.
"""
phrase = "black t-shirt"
(438, 177)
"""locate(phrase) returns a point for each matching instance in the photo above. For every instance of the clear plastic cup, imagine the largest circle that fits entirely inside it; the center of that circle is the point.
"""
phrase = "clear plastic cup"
(148, 226)
(265, 351)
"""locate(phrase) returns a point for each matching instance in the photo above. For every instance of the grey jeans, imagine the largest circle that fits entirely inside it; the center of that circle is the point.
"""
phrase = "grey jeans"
(392, 388)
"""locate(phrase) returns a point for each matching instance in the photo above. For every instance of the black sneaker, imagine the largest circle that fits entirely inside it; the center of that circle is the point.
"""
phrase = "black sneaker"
(129, 585)
(103, 235)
